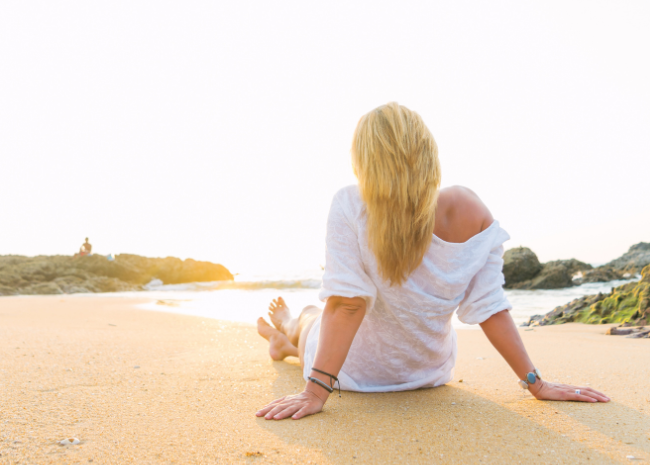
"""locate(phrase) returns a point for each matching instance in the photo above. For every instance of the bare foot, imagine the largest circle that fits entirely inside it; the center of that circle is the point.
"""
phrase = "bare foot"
(280, 314)
(279, 345)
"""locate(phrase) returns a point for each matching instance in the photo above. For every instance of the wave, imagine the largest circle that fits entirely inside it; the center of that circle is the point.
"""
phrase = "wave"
(157, 285)
(314, 283)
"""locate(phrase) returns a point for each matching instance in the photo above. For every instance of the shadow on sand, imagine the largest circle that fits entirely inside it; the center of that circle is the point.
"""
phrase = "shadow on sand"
(440, 425)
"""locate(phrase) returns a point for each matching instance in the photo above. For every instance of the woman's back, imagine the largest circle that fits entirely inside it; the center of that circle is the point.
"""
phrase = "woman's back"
(406, 340)
(402, 256)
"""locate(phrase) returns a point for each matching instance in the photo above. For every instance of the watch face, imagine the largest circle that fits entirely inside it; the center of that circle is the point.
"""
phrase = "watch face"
(531, 378)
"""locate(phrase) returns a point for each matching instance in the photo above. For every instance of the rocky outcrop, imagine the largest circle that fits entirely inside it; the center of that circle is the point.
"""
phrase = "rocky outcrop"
(602, 274)
(552, 276)
(68, 275)
(522, 270)
(628, 304)
(634, 259)
(520, 264)
(572, 266)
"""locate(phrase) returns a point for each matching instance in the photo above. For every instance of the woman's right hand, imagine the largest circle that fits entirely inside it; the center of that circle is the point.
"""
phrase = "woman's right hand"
(555, 391)
(296, 406)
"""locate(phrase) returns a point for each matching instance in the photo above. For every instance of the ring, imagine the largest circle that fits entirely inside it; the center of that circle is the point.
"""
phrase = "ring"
(578, 391)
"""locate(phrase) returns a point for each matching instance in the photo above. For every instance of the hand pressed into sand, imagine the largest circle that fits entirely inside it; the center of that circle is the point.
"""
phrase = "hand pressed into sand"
(544, 390)
(503, 334)
(340, 321)
(297, 406)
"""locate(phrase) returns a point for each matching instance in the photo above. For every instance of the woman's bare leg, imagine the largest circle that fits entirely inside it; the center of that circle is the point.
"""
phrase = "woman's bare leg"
(288, 331)
(279, 345)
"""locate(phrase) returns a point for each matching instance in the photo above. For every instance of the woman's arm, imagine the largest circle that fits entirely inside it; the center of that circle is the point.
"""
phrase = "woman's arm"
(339, 324)
(503, 334)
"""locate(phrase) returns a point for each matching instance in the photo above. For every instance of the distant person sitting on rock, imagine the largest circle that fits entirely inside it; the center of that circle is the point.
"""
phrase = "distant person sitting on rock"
(86, 249)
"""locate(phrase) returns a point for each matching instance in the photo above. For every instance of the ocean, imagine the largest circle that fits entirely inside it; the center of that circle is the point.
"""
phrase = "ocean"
(247, 298)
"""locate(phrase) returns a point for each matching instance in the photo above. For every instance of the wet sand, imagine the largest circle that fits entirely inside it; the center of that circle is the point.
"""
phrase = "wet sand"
(139, 386)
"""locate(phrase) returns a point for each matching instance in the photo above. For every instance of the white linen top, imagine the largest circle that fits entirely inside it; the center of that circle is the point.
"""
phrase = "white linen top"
(406, 340)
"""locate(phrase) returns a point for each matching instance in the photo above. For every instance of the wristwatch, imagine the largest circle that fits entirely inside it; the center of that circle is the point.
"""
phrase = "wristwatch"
(531, 378)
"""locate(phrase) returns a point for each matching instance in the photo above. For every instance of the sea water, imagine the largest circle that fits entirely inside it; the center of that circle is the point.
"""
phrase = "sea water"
(247, 297)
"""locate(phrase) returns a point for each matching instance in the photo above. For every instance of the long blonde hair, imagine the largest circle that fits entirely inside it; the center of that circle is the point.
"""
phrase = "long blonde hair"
(395, 159)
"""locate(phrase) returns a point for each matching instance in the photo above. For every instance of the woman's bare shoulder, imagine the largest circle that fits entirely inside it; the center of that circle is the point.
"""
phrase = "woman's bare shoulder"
(460, 214)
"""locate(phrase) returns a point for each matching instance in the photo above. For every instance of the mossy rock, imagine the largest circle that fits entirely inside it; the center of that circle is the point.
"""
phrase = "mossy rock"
(626, 304)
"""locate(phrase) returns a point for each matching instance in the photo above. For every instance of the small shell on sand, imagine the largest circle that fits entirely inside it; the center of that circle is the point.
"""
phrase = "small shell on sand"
(70, 442)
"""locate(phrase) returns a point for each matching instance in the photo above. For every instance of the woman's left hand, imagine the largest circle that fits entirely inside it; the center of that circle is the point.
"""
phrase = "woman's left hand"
(297, 406)
(554, 391)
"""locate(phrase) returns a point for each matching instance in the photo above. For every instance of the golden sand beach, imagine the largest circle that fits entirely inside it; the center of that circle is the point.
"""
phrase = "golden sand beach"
(137, 386)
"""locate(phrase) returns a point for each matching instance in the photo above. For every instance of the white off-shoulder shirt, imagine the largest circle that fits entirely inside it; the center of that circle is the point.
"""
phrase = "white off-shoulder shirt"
(406, 340)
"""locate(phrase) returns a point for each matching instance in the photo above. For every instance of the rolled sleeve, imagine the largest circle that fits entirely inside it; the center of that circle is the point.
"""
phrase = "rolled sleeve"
(345, 274)
(485, 295)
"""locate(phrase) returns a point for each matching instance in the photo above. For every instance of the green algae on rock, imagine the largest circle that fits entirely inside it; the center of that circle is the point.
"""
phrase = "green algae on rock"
(628, 304)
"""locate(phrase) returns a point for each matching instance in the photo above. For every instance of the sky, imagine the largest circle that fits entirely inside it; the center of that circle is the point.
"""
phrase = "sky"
(221, 130)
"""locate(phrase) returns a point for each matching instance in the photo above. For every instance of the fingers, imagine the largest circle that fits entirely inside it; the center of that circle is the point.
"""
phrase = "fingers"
(296, 406)
(275, 410)
(551, 391)
(264, 410)
(592, 393)
(600, 394)
(287, 412)
(580, 397)
(586, 394)
(303, 412)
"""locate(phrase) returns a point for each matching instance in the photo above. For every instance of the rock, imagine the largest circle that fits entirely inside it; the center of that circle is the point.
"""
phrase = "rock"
(640, 334)
(522, 270)
(6, 290)
(65, 274)
(603, 274)
(572, 265)
(42, 289)
(520, 264)
(614, 331)
(554, 275)
(637, 257)
(628, 304)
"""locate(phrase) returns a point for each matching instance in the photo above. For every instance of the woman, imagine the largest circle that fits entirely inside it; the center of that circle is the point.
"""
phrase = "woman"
(402, 256)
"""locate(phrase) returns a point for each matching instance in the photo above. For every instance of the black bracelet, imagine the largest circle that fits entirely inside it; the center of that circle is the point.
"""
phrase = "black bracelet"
(333, 379)
(321, 384)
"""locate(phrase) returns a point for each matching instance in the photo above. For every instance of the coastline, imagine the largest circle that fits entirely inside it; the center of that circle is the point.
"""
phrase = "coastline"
(243, 304)
(157, 387)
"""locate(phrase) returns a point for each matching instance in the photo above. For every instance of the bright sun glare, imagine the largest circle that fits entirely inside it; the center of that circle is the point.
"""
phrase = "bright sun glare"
(159, 129)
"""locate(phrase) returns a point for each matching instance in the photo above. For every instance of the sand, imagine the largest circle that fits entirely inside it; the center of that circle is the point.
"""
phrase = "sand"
(139, 386)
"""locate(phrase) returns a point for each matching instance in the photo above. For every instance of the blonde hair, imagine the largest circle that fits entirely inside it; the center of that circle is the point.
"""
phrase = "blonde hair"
(395, 159)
